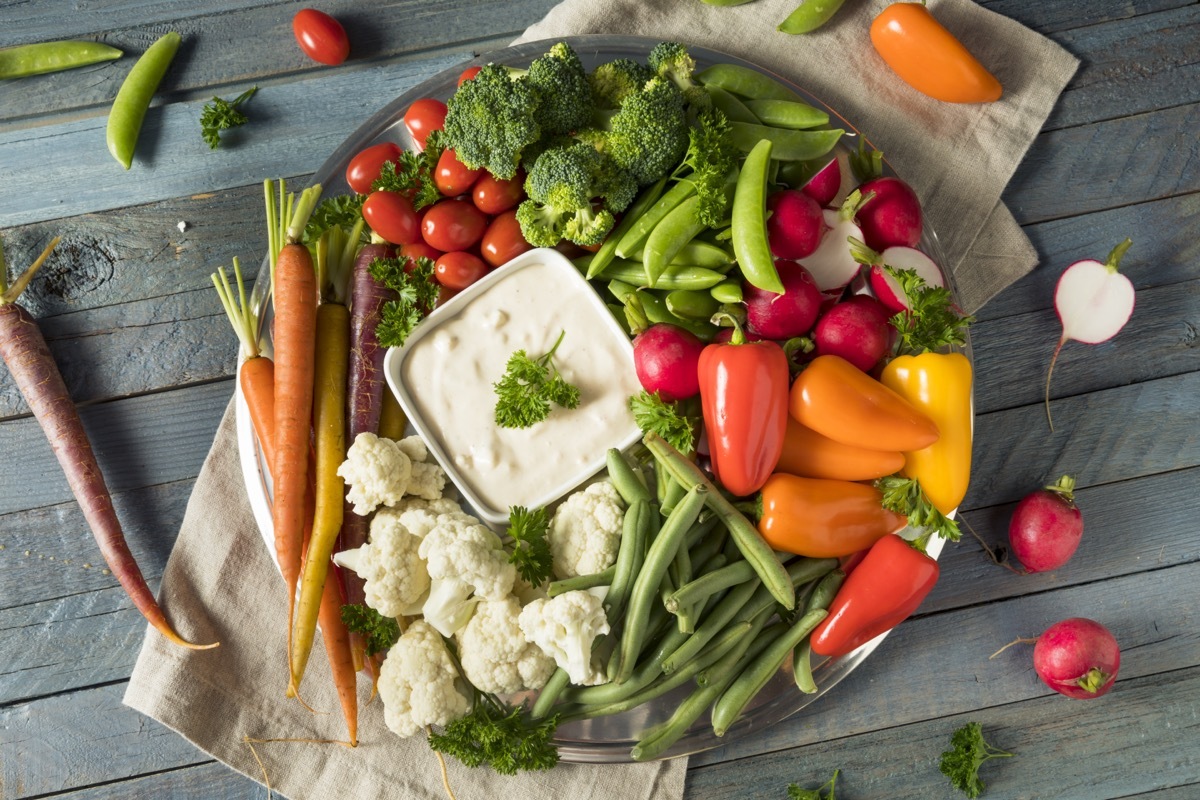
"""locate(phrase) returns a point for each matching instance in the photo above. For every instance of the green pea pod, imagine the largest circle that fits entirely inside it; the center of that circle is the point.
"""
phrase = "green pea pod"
(810, 15)
(43, 57)
(692, 304)
(750, 245)
(746, 82)
(788, 114)
(602, 257)
(635, 237)
(788, 145)
(620, 290)
(669, 236)
(618, 313)
(728, 291)
(133, 98)
(655, 310)
(698, 253)
(674, 276)
(730, 105)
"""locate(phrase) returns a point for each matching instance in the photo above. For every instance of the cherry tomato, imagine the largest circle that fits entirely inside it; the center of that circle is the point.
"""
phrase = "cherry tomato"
(503, 240)
(452, 225)
(320, 36)
(444, 294)
(365, 167)
(458, 270)
(423, 117)
(467, 74)
(391, 215)
(418, 249)
(452, 176)
(494, 196)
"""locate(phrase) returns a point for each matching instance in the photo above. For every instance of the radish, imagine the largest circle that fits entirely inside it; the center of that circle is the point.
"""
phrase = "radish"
(892, 216)
(795, 226)
(1078, 658)
(832, 265)
(886, 288)
(825, 184)
(1093, 302)
(1046, 526)
(782, 316)
(667, 360)
(857, 330)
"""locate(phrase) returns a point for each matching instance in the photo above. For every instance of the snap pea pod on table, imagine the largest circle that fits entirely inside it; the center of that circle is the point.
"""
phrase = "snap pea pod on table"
(45, 57)
(133, 98)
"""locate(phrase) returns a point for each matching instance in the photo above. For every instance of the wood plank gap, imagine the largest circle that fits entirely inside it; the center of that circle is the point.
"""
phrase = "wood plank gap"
(131, 396)
(34, 698)
(1160, 792)
(76, 790)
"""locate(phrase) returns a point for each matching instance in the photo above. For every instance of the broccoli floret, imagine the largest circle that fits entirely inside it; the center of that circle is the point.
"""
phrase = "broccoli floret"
(615, 80)
(562, 185)
(671, 60)
(560, 78)
(541, 225)
(491, 119)
(648, 134)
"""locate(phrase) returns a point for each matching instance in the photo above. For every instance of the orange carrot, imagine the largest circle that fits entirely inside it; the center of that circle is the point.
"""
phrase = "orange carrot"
(337, 648)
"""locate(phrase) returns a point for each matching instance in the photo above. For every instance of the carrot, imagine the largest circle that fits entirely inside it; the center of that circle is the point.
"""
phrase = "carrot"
(295, 287)
(337, 649)
(23, 348)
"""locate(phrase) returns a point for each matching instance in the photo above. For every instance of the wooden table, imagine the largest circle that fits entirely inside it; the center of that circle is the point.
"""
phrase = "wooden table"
(133, 320)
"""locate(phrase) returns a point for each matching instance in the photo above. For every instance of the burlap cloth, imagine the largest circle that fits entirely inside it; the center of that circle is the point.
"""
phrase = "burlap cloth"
(220, 582)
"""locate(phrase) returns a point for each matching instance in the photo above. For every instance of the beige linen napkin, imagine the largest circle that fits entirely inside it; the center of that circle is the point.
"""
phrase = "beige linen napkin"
(220, 582)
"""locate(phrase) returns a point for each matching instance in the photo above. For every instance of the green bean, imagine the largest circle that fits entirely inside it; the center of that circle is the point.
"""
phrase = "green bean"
(699, 589)
(660, 556)
(727, 291)
(788, 114)
(708, 547)
(705, 525)
(674, 493)
(42, 57)
(802, 667)
(714, 622)
(749, 541)
(549, 694)
(788, 145)
(669, 236)
(683, 573)
(629, 557)
(750, 244)
(692, 304)
(825, 591)
(624, 479)
(749, 683)
(133, 98)
(601, 258)
(581, 582)
(810, 15)
(763, 636)
(745, 82)
(647, 670)
(698, 253)
(673, 276)
(733, 108)
(635, 237)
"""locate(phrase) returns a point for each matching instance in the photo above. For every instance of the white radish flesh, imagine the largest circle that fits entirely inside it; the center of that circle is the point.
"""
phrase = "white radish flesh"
(833, 265)
(887, 288)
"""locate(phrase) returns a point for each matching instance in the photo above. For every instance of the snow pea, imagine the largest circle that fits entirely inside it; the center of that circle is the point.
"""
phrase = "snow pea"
(38, 59)
(788, 114)
(788, 145)
(745, 82)
(810, 15)
(133, 98)
(750, 245)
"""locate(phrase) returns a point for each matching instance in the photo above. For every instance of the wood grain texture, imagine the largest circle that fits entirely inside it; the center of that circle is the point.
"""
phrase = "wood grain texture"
(1063, 15)
(209, 781)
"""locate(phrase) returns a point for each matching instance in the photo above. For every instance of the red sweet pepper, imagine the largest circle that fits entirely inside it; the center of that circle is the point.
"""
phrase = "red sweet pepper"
(881, 592)
(744, 395)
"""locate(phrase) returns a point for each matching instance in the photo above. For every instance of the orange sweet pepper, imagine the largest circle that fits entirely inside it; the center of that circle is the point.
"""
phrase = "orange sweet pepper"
(823, 518)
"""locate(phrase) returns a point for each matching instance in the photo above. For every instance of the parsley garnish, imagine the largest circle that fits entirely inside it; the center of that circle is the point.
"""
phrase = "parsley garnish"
(528, 387)
(796, 792)
(931, 321)
(530, 549)
(904, 496)
(712, 157)
(339, 211)
(503, 736)
(417, 294)
(654, 414)
(219, 115)
(379, 631)
(961, 764)
(413, 174)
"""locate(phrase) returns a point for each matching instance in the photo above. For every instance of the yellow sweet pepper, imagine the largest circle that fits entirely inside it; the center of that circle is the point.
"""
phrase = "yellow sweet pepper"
(939, 385)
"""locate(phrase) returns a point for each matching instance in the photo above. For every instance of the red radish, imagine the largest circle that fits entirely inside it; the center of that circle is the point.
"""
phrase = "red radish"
(892, 216)
(832, 266)
(824, 185)
(667, 360)
(1046, 526)
(795, 226)
(1093, 302)
(899, 258)
(23, 348)
(782, 316)
(1078, 658)
(857, 330)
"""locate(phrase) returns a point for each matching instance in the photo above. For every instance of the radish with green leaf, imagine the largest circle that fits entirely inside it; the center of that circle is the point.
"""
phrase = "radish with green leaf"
(898, 257)
(832, 264)
(891, 215)
(1093, 302)
(1078, 658)
(1046, 527)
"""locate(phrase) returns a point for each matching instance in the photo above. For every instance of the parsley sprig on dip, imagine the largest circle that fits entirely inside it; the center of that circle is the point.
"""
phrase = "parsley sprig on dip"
(529, 386)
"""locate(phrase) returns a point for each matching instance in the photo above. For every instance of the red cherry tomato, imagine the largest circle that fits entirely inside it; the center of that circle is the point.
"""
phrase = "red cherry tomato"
(320, 36)
(452, 176)
(458, 270)
(365, 167)
(502, 240)
(452, 225)
(418, 249)
(423, 117)
(467, 74)
(494, 196)
(391, 215)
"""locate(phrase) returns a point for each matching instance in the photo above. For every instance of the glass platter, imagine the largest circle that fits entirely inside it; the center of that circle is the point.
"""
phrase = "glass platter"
(607, 739)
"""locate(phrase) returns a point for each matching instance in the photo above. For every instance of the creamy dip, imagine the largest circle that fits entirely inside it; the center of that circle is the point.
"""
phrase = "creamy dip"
(450, 371)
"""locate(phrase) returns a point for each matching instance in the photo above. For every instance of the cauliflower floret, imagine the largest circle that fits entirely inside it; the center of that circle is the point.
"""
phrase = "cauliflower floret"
(419, 684)
(427, 480)
(564, 627)
(494, 654)
(396, 580)
(414, 447)
(464, 558)
(585, 533)
(421, 516)
(377, 471)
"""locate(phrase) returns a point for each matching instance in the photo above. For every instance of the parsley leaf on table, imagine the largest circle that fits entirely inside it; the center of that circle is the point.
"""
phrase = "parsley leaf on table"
(961, 764)
(379, 632)
(529, 386)
(531, 549)
(416, 291)
(219, 115)
(796, 792)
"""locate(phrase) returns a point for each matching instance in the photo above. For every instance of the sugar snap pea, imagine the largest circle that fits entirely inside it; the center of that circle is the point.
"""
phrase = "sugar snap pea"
(745, 82)
(692, 304)
(635, 237)
(669, 236)
(673, 276)
(133, 98)
(644, 201)
(810, 15)
(43, 57)
(750, 245)
(698, 253)
(787, 145)
(788, 114)
(729, 104)
(727, 291)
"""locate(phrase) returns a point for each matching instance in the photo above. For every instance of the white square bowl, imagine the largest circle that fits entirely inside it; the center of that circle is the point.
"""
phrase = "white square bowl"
(460, 467)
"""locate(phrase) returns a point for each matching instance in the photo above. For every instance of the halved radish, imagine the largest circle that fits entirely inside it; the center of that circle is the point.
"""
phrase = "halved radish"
(832, 265)
(886, 288)
(825, 184)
